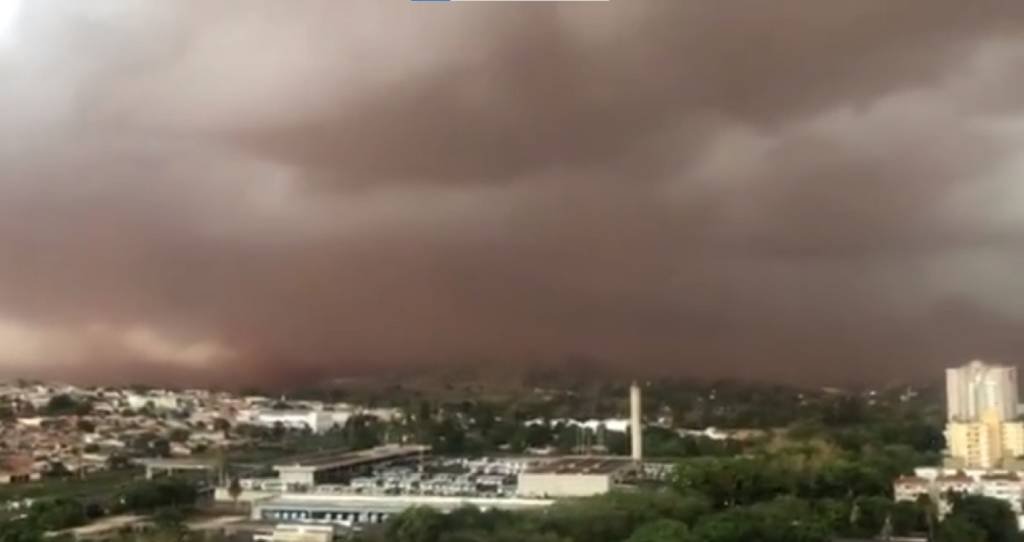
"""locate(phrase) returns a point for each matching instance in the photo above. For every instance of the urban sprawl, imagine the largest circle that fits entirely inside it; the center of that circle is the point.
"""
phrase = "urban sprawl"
(252, 466)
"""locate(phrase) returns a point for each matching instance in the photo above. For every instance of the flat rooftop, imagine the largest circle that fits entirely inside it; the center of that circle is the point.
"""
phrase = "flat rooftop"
(104, 526)
(582, 465)
(178, 463)
(341, 459)
(397, 503)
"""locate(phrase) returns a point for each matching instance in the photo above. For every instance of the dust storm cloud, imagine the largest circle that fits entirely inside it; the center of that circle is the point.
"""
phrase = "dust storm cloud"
(798, 190)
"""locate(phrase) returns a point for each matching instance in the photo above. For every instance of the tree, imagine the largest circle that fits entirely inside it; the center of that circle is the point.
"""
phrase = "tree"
(594, 520)
(846, 410)
(845, 479)
(448, 437)
(58, 470)
(278, 431)
(992, 516)
(734, 481)
(235, 490)
(662, 530)
(908, 518)
(65, 405)
(160, 447)
(735, 525)
(647, 506)
(788, 519)
(958, 529)
(569, 438)
(835, 513)
(869, 514)
(155, 494)
(538, 435)
(57, 514)
(416, 524)
(171, 521)
(178, 435)
(117, 462)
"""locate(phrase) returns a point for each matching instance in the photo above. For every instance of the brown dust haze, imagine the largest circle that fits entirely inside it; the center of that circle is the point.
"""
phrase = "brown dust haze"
(266, 191)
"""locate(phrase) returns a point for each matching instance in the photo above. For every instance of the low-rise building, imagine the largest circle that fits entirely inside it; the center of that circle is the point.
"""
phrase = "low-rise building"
(317, 421)
(572, 477)
(331, 467)
(349, 510)
(939, 484)
(17, 469)
(289, 532)
(1006, 487)
(157, 400)
(911, 488)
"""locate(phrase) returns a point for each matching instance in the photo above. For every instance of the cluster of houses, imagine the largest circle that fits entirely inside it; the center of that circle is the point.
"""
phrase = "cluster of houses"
(940, 484)
(66, 430)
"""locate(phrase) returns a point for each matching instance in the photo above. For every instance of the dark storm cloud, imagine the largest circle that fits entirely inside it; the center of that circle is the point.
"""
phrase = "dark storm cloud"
(553, 88)
(800, 190)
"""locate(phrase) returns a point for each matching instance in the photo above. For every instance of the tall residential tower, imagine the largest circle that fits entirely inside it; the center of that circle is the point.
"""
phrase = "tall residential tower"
(976, 390)
(983, 431)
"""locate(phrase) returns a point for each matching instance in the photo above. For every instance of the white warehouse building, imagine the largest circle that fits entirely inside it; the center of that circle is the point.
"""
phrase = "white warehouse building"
(573, 477)
(317, 421)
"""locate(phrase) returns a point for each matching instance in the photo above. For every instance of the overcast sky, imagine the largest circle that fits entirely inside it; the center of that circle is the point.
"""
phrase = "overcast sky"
(796, 190)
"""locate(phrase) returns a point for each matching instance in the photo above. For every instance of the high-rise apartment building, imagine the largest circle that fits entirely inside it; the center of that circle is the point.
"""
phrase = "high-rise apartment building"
(982, 431)
(987, 444)
(976, 389)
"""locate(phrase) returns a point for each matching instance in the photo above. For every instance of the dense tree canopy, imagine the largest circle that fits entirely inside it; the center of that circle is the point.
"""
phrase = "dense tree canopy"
(663, 530)
(65, 405)
(993, 517)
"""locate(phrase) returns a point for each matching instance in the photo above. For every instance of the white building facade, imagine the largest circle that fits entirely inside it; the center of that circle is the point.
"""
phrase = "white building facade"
(982, 431)
(977, 388)
(937, 485)
(316, 421)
